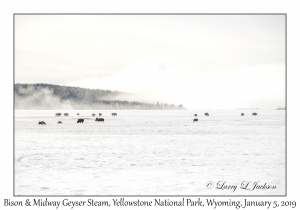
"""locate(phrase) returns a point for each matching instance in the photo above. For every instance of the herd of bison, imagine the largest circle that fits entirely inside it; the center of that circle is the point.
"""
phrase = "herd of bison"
(80, 120)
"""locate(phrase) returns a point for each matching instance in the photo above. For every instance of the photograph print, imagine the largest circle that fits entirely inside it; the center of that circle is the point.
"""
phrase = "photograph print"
(149, 104)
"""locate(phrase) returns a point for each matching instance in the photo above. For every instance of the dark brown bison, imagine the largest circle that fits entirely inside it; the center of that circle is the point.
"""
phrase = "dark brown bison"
(100, 119)
(57, 114)
(254, 114)
(80, 120)
(195, 115)
(77, 114)
(42, 123)
(242, 114)
(114, 114)
(206, 114)
(195, 120)
(93, 114)
(66, 114)
(100, 114)
(59, 122)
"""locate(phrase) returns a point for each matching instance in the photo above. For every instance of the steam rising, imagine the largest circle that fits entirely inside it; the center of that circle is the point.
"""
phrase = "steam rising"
(41, 99)
(155, 78)
(47, 96)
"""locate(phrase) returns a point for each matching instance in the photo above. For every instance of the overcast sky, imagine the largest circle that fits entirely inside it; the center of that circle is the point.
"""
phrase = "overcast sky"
(200, 61)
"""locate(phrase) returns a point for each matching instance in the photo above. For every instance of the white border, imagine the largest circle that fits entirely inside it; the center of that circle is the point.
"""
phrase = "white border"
(8, 8)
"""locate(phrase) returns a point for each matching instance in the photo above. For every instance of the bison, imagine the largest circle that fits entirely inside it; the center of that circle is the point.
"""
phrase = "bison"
(59, 122)
(114, 114)
(242, 114)
(100, 119)
(57, 114)
(77, 114)
(93, 115)
(42, 123)
(195, 120)
(66, 114)
(100, 114)
(195, 115)
(254, 114)
(206, 114)
(80, 120)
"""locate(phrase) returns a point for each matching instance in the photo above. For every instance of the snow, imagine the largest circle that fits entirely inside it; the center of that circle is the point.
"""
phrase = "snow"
(155, 152)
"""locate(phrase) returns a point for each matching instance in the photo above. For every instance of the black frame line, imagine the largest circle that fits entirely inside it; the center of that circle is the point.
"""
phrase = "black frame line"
(183, 196)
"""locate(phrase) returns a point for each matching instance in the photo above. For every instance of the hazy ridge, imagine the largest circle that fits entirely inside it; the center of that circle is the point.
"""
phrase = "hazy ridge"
(49, 96)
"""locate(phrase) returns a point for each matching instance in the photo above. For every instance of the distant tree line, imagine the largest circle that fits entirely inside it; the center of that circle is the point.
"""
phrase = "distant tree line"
(32, 95)
(65, 92)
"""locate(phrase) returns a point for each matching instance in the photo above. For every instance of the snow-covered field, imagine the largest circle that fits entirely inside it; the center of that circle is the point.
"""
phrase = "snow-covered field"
(149, 152)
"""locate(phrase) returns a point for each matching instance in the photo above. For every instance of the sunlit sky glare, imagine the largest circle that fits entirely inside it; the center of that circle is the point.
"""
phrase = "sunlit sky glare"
(200, 61)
